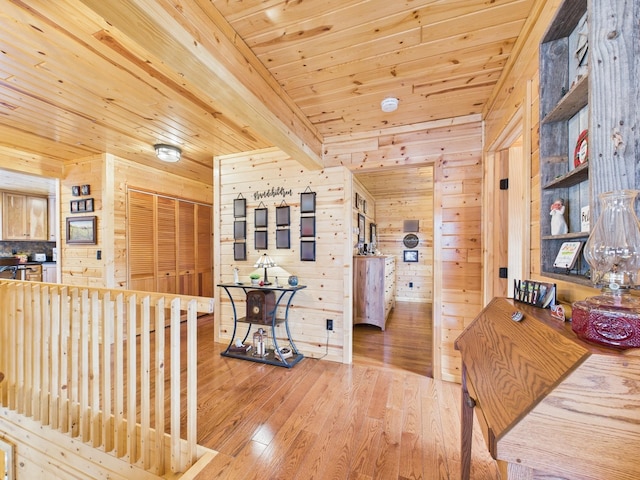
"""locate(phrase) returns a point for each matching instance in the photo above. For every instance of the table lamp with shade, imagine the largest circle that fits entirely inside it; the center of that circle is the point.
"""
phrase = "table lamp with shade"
(613, 253)
(265, 262)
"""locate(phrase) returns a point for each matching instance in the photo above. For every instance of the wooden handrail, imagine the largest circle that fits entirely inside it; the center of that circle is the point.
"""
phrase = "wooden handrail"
(70, 363)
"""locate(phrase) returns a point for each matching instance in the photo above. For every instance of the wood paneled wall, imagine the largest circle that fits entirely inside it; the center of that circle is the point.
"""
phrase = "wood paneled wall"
(109, 178)
(79, 262)
(454, 149)
(507, 99)
(414, 281)
(271, 177)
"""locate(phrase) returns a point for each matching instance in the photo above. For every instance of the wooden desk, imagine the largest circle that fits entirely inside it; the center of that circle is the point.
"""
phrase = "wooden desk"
(547, 402)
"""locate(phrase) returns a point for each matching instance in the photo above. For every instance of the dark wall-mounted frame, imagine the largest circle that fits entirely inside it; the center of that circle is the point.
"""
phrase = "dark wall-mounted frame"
(307, 226)
(239, 229)
(82, 230)
(373, 233)
(261, 217)
(308, 250)
(283, 238)
(361, 228)
(283, 216)
(239, 251)
(239, 207)
(261, 239)
(411, 255)
(81, 206)
(308, 202)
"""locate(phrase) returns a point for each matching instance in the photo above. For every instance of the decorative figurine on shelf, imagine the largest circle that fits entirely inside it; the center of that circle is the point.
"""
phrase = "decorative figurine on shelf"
(558, 222)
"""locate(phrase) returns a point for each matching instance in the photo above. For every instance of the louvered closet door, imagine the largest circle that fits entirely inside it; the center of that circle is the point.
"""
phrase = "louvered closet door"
(204, 260)
(141, 241)
(186, 248)
(167, 258)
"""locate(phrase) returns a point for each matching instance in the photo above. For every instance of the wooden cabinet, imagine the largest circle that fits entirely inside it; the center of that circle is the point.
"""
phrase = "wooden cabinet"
(170, 245)
(49, 272)
(24, 217)
(374, 281)
(593, 101)
(549, 404)
(52, 218)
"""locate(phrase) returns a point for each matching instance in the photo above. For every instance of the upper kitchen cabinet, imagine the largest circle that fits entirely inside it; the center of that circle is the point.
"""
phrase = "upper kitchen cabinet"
(588, 121)
(24, 217)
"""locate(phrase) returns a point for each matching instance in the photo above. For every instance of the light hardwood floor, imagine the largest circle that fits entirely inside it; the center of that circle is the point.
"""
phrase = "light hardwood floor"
(375, 419)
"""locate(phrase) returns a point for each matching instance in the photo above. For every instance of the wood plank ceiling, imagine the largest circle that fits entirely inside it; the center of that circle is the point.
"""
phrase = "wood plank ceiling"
(81, 77)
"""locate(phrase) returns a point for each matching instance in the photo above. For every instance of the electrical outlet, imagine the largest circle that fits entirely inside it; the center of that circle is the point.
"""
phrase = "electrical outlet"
(329, 324)
(99, 255)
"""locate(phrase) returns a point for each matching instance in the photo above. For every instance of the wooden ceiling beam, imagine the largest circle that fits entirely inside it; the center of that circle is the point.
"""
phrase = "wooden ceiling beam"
(208, 61)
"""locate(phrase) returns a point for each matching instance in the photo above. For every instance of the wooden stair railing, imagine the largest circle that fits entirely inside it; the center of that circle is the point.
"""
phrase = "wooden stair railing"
(69, 364)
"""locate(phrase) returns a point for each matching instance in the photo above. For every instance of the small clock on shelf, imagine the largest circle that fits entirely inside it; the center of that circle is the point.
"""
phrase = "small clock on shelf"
(260, 305)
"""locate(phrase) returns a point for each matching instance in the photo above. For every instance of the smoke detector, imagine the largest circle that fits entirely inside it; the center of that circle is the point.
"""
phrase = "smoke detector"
(389, 104)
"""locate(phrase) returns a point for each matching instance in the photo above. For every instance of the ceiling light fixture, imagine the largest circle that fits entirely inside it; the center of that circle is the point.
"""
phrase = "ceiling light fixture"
(167, 153)
(389, 104)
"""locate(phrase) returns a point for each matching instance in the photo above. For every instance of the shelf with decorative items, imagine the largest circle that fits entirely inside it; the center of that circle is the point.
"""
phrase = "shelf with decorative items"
(263, 303)
(564, 117)
(587, 138)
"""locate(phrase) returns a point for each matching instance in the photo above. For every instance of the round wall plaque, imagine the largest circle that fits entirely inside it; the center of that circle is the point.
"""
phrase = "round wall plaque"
(410, 240)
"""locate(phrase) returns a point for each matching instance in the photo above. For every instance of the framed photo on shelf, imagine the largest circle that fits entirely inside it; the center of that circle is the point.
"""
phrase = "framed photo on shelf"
(308, 250)
(567, 255)
(81, 230)
(261, 217)
(307, 226)
(239, 229)
(410, 255)
(239, 207)
(261, 239)
(283, 238)
(239, 251)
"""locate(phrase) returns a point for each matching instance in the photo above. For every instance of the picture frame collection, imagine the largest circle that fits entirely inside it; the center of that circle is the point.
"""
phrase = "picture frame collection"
(83, 205)
(282, 224)
(81, 230)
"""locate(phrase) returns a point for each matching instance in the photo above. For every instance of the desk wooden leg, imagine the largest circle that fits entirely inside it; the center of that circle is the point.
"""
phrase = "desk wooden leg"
(466, 427)
(513, 471)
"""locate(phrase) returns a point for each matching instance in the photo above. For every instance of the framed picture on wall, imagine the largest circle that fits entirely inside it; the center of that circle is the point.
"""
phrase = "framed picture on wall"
(308, 250)
(308, 202)
(283, 238)
(239, 251)
(81, 230)
(361, 227)
(239, 230)
(283, 218)
(239, 207)
(261, 239)
(307, 226)
(410, 255)
(261, 217)
(373, 233)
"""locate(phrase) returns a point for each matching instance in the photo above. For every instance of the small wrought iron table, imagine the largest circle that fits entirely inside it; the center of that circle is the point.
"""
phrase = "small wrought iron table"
(284, 295)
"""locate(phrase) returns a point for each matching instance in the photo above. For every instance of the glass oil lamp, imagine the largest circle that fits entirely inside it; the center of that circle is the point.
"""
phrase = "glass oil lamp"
(260, 343)
(613, 252)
